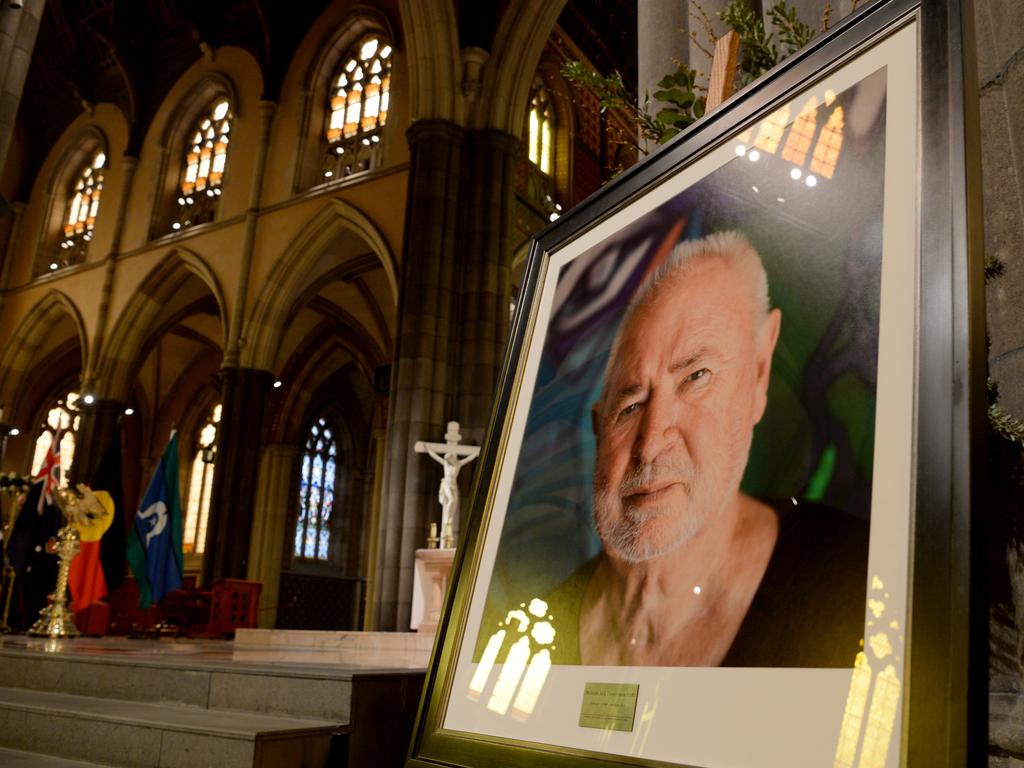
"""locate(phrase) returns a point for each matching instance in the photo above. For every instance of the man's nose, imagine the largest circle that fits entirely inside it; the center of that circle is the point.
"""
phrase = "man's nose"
(659, 428)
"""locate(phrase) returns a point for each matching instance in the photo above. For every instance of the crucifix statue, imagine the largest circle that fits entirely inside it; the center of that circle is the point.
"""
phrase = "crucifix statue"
(452, 457)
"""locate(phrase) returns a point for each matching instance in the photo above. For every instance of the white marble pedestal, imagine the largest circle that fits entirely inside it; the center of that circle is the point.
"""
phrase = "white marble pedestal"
(430, 581)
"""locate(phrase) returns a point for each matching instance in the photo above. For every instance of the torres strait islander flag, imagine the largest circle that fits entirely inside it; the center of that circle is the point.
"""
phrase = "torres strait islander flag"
(154, 544)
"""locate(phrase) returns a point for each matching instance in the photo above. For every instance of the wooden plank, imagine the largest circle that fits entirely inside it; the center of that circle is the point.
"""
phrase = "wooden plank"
(723, 70)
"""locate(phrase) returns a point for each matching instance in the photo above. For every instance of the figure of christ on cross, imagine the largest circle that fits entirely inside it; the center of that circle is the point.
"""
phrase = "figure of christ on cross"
(452, 457)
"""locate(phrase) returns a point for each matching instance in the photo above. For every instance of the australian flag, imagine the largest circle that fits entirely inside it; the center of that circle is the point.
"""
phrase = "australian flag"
(154, 544)
(37, 522)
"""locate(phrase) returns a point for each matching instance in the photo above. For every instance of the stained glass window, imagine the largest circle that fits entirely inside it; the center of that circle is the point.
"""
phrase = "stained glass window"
(316, 493)
(83, 204)
(206, 156)
(200, 483)
(542, 129)
(63, 415)
(357, 109)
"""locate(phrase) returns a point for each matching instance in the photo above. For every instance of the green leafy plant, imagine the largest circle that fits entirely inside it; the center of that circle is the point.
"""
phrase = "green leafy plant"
(680, 101)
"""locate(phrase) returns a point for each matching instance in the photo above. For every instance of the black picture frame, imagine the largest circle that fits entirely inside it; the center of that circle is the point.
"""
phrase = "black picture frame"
(943, 719)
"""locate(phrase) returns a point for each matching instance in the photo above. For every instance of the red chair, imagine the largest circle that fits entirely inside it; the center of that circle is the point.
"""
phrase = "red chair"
(234, 604)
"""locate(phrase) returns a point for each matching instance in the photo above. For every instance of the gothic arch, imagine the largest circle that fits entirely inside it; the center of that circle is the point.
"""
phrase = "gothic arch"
(361, 20)
(187, 109)
(291, 277)
(435, 68)
(139, 319)
(508, 73)
(24, 346)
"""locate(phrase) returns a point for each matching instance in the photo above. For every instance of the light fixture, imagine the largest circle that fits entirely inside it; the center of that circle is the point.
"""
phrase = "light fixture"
(53, 265)
(278, 384)
(14, 432)
(129, 411)
(88, 399)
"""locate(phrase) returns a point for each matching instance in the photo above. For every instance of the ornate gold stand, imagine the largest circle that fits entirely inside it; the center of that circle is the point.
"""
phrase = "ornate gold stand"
(56, 619)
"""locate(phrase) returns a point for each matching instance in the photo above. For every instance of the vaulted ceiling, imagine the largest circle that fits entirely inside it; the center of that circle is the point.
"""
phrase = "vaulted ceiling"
(131, 52)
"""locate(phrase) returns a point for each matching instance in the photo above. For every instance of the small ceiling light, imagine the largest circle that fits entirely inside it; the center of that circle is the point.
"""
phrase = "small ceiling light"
(278, 384)
(129, 411)
(14, 432)
(328, 174)
(89, 399)
(53, 265)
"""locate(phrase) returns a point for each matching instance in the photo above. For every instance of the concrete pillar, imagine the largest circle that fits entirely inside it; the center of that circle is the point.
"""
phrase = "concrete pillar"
(374, 517)
(96, 428)
(270, 518)
(18, 30)
(233, 495)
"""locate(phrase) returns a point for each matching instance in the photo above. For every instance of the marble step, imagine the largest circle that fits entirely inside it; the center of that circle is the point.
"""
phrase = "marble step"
(15, 758)
(133, 734)
(306, 691)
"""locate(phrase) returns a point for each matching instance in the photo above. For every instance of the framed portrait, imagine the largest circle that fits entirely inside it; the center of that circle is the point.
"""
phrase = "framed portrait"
(723, 511)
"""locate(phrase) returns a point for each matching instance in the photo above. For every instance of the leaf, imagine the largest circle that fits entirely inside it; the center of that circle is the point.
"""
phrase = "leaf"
(667, 81)
(668, 134)
(674, 95)
(698, 108)
(667, 116)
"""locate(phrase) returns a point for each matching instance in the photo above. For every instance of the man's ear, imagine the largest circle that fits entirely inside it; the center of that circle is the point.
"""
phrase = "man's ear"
(764, 342)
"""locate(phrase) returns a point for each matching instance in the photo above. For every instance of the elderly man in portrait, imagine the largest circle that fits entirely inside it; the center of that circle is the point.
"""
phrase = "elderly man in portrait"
(693, 571)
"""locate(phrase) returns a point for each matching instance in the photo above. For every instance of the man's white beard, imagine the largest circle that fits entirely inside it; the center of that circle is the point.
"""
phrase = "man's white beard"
(628, 536)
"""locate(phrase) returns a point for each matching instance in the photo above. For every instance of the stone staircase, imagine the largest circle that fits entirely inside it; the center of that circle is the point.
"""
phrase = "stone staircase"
(73, 702)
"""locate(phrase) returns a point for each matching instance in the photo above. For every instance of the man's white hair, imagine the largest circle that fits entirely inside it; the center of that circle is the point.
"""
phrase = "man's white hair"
(731, 247)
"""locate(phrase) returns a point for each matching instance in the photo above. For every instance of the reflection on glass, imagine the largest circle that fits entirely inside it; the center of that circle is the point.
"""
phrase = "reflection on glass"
(826, 152)
(876, 720)
(527, 665)
(483, 670)
(801, 134)
(770, 132)
(643, 729)
(511, 674)
(533, 682)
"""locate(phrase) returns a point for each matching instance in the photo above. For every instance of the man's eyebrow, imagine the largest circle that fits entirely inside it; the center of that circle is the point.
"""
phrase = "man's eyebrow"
(689, 360)
(628, 390)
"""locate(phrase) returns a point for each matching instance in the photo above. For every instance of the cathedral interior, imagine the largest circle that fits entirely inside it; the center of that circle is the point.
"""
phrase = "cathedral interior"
(295, 233)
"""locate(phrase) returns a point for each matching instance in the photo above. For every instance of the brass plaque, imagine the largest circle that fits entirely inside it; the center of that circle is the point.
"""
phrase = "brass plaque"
(609, 706)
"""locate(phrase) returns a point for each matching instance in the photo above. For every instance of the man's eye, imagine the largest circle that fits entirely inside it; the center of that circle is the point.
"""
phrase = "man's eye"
(631, 408)
(700, 375)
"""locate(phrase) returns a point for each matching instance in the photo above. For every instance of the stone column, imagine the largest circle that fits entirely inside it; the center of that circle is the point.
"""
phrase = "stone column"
(96, 428)
(420, 379)
(18, 30)
(374, 516)
(270, 516)
(663, 36)
(233, 495)
(484, 259)
(452, 334)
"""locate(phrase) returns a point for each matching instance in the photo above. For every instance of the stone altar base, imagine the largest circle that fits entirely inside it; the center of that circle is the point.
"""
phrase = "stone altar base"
(188, 704)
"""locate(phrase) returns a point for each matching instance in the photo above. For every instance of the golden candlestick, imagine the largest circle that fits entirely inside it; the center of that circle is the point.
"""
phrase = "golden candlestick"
(79, 507)
(432, 540)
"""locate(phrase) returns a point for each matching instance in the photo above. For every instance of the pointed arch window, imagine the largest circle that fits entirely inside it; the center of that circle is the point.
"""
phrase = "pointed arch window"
(542, 130)
(358, 101)
(200, 483)
(63, 415)
(316, 493)
(206, 157)
(80, 211)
